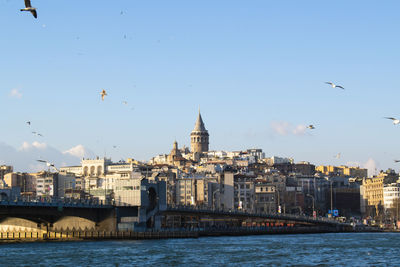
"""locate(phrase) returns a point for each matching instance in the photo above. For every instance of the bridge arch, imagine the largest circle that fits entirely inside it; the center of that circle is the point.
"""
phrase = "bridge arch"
(14, 224)
(73, 223)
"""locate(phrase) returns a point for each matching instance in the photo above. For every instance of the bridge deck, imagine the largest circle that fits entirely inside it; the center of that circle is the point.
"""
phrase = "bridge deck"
(276, 216)
(55, 204)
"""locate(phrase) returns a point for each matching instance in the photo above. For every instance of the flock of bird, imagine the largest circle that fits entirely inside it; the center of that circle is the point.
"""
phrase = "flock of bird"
(103, 93)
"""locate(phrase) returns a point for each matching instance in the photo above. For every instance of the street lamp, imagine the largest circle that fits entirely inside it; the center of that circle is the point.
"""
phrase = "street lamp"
(313, 200)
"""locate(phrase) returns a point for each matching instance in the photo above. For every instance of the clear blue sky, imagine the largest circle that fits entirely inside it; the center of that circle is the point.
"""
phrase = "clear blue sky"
(249, 65)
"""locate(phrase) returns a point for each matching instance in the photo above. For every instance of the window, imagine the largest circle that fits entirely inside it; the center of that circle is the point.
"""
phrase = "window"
(127, 187)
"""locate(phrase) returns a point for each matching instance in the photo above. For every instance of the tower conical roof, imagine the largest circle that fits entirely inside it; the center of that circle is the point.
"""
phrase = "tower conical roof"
(199, 127)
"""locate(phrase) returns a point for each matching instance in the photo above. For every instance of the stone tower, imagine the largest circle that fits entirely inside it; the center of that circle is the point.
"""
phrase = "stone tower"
(199, 137)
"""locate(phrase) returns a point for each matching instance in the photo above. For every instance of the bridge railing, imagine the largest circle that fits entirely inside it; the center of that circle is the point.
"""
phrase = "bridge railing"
(55, 203)
(251, 214)
(95, 203)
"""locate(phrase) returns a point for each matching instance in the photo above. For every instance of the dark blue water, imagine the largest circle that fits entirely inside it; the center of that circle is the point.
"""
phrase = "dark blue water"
(362, 249)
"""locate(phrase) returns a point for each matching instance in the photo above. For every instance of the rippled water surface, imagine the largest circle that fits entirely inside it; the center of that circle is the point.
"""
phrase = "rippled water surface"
(361, 249)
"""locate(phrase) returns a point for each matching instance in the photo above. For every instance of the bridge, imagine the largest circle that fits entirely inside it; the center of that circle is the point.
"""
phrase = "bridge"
(45, 217)
(183, 216)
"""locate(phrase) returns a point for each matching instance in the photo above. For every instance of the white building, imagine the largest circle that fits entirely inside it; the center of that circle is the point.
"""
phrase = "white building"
(277, 160)
(391, 195)
(256, 152)
(217, 154)
(128, 192)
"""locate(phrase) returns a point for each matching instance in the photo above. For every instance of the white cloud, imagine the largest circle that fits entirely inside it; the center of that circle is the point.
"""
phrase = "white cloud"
(284, 128)
(280, 127)
(25, 158)
(15, 93)
(27, 146)
(39, 145)
(79, 151)
(299, 130)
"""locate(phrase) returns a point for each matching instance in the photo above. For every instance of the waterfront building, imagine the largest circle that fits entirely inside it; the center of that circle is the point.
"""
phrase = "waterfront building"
(391, 195)
(265, 199)
(186, 192)
(244, 192)
(371, 193)
(25, 181)
(46, 184)
(226, 191)
(53, 185)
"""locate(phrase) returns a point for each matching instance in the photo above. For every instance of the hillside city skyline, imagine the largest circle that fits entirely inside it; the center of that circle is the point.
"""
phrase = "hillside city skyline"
(258, 71)
(81, 153)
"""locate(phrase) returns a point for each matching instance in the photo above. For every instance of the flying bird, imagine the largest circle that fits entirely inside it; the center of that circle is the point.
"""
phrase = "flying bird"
(311, 127)
(28, 122)
(334, 85)
(28, 7)
(38, 134)
(395, 121)
(103, 94)
(125, 102)
(337, 156)
(396, 160)
(49, 164)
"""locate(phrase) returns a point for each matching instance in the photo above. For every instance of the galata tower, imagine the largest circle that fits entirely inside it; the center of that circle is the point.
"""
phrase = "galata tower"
(199, 137)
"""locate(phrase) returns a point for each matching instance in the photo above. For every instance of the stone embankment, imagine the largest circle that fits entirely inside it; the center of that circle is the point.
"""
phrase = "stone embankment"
(10, 237)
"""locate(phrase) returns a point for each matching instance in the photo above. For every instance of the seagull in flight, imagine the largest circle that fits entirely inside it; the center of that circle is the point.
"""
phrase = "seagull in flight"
(49, 164)
(335, 85)
(38, 134)
(395, 121)
(311, 127)
(103, 94)
(125, 102)
(337, 156)
(28, 122)
(28, 7)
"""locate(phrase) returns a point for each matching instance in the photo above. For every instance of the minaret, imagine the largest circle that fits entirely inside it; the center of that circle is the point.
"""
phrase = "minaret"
(199, 137)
